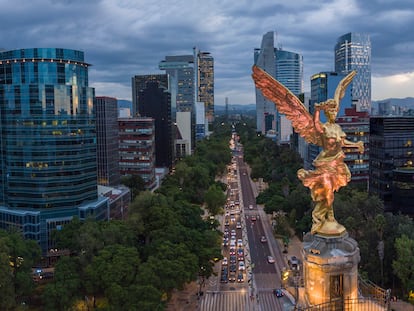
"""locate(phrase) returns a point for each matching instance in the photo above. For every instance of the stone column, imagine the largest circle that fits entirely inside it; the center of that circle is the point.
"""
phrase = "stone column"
(330, 268)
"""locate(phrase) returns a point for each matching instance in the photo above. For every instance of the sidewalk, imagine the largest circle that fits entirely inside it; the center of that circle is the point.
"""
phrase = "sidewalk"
(401, 306)
(184, 300)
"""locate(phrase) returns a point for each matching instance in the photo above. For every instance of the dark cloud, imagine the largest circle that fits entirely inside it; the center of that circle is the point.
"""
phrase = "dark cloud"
(123, 38)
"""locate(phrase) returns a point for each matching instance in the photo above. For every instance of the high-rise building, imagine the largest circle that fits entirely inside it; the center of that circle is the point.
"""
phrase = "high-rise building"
(183, 134)
(139, 83)
(287, 68)
(356, 127)
(391, 162)
(180, 70)
(155, 102)
(205, 82)
(107, 137)
(353, 52)
(137, 148)
(48, 169)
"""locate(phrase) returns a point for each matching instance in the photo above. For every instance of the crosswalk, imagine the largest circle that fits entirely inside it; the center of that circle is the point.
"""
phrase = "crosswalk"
(241, 301)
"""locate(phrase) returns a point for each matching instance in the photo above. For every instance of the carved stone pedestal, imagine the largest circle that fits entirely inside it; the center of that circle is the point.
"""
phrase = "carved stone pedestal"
(330, 268)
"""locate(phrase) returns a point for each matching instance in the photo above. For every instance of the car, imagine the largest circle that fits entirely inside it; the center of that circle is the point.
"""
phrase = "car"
(223, 278)
(233, 232)
(239, 242)
(233, 268)
(242, 266)
(270, 259)
(294, 263)
(263, 239)
(232, 259)
(232, 219)
(232, 251)
(238, 225)
(240, 277)
(278, 292)
(253, 218)
(232, 277)
(250, 206)
(224, 261)
(227, 223)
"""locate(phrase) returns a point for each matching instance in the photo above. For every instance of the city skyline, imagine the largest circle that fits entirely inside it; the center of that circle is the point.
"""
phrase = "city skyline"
(126, 38)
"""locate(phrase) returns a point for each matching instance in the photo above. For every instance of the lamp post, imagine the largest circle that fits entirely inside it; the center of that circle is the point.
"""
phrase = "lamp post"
(201, 276)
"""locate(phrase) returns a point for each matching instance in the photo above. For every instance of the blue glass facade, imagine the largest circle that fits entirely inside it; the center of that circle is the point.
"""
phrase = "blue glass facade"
(287, 68)
(353, 52)
(48, 137)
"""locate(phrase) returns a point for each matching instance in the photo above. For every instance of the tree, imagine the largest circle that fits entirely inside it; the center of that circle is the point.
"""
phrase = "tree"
(403, 265)
(113, 270)
(64, 290)
(22, 254)
(215, 199)
(135, 183)
(7, 302)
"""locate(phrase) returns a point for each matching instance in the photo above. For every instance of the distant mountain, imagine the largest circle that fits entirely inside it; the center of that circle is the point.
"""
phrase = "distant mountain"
(402, 102)
(233, 108)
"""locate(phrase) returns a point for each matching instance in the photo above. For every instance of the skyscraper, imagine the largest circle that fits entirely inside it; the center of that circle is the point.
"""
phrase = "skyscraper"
(155, 102)
(181, 75)
(353, 52)
(48, 142)
(180, 70)
(391, 162)
(107, 138)
(205, 82)
(139, 83)
(287, 68)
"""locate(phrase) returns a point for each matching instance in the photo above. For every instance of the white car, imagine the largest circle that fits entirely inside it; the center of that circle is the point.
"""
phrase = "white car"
(270, 259)
(239, 242)
(242, 267)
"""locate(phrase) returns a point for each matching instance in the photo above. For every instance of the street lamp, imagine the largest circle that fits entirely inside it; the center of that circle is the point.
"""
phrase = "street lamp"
(201, 280)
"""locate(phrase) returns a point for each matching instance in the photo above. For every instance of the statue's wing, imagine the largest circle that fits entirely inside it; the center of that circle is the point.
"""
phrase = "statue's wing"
(288, 104)
(341, 88)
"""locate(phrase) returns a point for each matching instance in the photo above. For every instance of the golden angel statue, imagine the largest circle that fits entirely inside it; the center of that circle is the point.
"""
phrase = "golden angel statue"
(330, 173)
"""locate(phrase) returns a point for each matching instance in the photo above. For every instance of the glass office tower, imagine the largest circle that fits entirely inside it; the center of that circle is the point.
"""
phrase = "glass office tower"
(287, 68)
(353, 52)
(48, 163)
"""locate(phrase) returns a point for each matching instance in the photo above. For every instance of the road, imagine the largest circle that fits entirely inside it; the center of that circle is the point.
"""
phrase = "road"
(260, 277)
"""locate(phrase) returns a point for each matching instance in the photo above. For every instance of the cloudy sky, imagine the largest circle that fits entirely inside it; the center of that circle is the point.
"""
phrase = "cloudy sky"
(123, 38)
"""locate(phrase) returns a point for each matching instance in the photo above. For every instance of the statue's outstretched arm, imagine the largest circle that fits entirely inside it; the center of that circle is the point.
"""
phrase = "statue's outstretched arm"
(350, 144)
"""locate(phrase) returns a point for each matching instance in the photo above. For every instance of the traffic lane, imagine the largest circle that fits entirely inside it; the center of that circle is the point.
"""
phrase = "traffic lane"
(258, 250)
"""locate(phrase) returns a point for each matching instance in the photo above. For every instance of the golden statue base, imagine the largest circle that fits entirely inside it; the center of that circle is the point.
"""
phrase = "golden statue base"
(330, 228)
